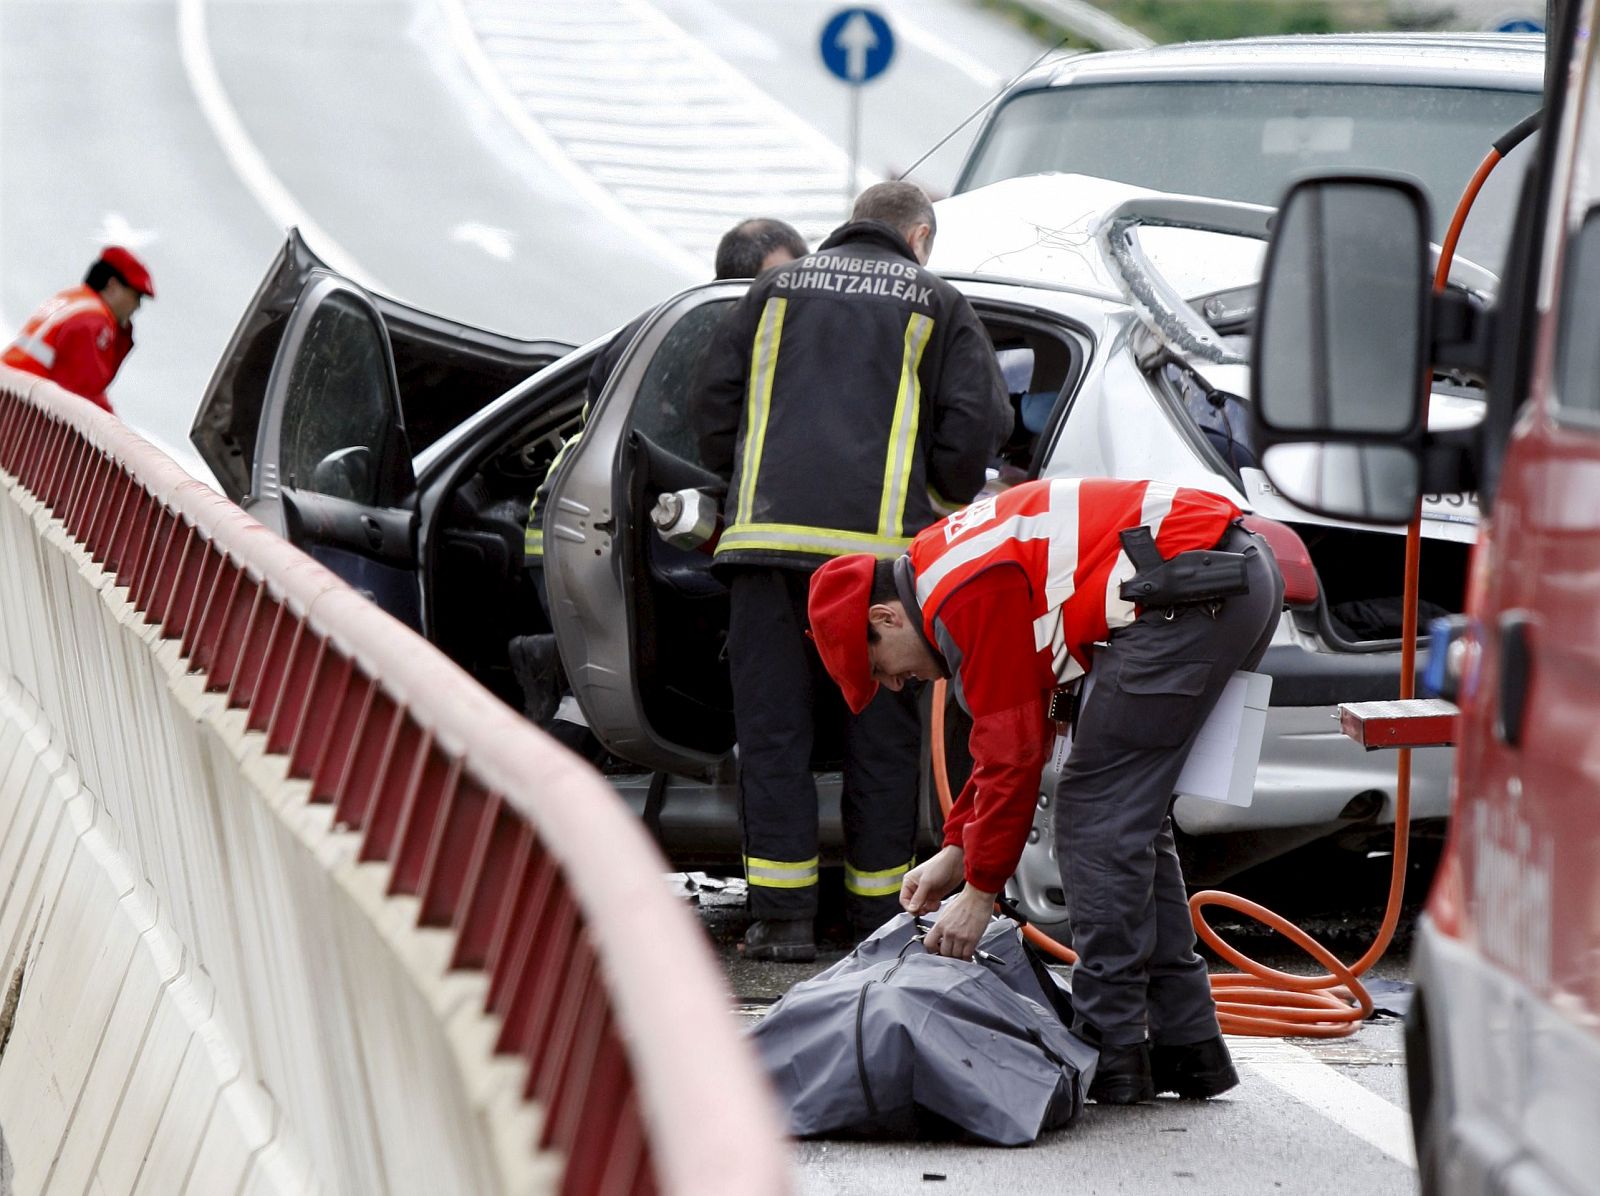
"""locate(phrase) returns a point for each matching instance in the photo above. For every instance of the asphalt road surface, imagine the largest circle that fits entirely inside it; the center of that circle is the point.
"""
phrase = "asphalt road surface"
(1309, 1117)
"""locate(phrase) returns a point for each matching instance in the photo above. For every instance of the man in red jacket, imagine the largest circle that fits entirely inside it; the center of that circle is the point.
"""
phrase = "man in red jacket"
(1007, 599)
(79, 338)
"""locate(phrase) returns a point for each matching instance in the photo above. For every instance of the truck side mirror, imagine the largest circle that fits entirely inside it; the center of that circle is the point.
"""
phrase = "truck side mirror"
(1339, 380)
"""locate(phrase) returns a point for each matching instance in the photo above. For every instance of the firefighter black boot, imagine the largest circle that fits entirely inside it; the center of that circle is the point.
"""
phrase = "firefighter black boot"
(536, 664)
(1195, 1071)
(786, 941)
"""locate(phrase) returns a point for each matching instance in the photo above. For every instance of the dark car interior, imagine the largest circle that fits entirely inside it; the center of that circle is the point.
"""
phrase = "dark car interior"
(443, 379)
(482, 592)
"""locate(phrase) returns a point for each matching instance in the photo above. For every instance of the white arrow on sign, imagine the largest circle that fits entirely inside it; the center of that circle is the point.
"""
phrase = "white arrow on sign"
(857, 40)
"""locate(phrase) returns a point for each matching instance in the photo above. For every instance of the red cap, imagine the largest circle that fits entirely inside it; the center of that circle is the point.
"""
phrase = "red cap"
(131, 268)
(841, 592)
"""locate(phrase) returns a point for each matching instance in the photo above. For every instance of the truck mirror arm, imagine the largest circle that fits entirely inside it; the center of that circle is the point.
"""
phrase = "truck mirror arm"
(1462, 339)
(1449, 461)
(1463, 333)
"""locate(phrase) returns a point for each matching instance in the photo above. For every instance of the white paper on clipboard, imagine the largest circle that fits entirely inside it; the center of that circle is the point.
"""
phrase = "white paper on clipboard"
(1222, 764)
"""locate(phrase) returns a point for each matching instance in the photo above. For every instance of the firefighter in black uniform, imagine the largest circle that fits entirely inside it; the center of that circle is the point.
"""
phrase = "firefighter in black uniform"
(844, 395)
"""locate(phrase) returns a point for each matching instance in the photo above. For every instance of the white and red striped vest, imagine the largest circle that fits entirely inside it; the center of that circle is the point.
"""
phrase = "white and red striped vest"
(1064, 535)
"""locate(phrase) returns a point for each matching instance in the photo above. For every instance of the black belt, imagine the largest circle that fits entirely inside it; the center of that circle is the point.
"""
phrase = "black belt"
(1200, 577)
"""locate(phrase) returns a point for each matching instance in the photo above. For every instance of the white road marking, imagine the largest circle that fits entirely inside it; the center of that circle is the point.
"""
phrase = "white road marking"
(466, 42)
(648, 121)
(499, 243)
(1300, 1074)
(116, 230)
(241, 152)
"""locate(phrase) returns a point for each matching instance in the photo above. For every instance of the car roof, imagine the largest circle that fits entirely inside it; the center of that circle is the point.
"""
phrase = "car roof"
(1499, 61)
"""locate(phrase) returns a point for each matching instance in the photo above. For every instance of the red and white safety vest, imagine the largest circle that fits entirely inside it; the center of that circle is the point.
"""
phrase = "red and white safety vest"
(75, 341)
(1065, 536)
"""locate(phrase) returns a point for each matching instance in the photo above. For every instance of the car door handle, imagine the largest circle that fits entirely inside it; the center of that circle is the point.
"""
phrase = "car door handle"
(1516, 669)
(374, 531)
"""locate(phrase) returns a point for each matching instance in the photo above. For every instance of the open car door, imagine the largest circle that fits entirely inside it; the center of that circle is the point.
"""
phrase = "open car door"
(332, 470)
(446, 371)
(642, 625)
(321, 397)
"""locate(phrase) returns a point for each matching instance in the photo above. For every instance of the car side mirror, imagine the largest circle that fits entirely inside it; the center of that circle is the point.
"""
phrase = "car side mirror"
(1339, 378)
(345, 473)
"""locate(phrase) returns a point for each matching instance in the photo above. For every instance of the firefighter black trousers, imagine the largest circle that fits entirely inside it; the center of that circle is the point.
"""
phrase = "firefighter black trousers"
(1156, 682)
(780, 692)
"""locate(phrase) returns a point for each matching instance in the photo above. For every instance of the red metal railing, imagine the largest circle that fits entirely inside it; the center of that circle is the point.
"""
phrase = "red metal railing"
(600, 979)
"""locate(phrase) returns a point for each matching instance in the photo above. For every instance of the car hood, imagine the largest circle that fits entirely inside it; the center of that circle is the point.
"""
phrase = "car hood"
(1050, 228)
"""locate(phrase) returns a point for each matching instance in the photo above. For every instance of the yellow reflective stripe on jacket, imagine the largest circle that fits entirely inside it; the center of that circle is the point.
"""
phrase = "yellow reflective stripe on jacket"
(903, 432)
(780, 874)
(875, 884)
(795, 537)
(533, 533)
(758, 403)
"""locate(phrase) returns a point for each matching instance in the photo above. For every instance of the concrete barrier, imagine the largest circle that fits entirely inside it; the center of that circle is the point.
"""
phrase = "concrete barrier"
(288, 903)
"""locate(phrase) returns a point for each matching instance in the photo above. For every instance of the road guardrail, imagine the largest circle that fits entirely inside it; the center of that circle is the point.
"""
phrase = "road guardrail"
(509, 855)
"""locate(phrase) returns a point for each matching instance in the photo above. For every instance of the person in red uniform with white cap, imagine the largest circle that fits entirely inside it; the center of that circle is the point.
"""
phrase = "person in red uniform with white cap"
(1008, 598)
(79, 338)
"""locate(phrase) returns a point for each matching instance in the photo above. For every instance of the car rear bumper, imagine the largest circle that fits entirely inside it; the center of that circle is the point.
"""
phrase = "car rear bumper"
(1301, 677)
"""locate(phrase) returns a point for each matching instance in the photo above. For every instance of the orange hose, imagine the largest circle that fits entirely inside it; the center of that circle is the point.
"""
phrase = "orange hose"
(1447, 251)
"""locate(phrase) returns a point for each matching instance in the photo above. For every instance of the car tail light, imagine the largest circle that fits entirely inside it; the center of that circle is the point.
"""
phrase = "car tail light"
(1294, 559)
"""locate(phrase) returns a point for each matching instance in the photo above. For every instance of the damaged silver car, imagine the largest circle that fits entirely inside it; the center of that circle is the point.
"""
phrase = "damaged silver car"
(372, 435)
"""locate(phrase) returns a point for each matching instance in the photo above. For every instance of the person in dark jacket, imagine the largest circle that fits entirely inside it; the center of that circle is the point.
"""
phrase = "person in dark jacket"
(745, 250)
(844, 397)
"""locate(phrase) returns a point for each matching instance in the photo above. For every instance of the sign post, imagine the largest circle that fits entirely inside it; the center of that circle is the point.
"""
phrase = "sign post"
(857, 46)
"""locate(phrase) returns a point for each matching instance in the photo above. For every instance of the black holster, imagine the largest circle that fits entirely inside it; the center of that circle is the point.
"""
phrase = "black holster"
(1201, 577)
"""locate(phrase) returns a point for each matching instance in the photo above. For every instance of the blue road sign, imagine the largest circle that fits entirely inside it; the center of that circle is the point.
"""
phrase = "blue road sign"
(857, 45)
(1519, 25)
